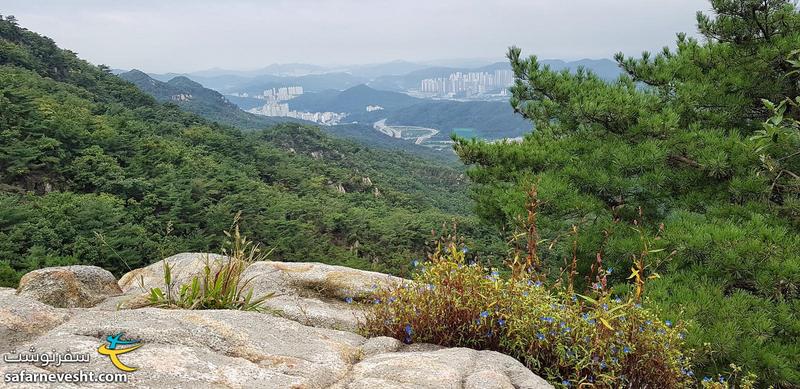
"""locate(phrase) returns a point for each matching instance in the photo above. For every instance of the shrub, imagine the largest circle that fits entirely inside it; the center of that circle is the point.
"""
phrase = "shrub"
(572, 340)
(592, 339)
(221, 285)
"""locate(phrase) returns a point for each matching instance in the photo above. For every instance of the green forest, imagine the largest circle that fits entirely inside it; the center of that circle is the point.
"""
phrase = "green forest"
(693, 149)
(95, 171)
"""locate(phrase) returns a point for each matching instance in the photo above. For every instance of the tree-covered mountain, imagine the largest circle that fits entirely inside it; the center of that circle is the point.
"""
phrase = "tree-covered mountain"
(94, 171)
(679, 164)
(193, 97)
(351, 100)
(487, 119)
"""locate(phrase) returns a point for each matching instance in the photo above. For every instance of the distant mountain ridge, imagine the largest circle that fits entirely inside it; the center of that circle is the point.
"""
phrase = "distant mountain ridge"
(352, 100)
(394, 76)
(198, 99)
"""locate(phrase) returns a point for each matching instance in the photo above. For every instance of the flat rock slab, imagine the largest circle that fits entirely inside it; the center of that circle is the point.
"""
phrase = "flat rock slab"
(235, 349)
(453, 368)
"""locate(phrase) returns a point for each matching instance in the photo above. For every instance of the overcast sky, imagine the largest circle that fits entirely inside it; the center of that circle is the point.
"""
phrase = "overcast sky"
(189, 35)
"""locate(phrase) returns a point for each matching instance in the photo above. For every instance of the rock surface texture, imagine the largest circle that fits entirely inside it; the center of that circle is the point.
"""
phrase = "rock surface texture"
(235, 349)
(69, 286)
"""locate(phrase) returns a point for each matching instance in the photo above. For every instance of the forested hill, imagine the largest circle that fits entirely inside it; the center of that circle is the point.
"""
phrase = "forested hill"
(193, 97)
(94, 171)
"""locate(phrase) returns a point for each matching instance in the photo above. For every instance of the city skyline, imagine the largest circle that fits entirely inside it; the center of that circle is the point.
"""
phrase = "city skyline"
(187, 36)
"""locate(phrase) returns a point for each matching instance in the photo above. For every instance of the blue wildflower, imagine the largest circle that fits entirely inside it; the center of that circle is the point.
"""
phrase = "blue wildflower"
(565, 383)
(682, 335)
(409, 330)
(668, 323)
(548, 319)
(501, 322)
(617, 300)
(585, 316)
(603, 365)
(484, 314)
(609, 270)
(540, 336)
(465, 250)
(605, 306)
(392, 299)
(587, 339)
(349, 300)
(626, 349)
(377, 301)
(495, 274)
(574, 298)
(706, 379)
(415, 263)
(537, 284)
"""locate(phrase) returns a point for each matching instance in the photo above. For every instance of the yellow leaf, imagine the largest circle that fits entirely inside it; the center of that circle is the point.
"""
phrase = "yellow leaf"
(605, 323)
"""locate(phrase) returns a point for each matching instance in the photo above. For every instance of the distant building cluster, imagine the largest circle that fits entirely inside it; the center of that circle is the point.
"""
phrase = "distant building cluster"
(468, 84)
(282, 110)
(275, 95)
(372, 108)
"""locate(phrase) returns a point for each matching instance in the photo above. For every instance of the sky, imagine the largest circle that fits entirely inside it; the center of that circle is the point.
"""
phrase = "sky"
(192, 35)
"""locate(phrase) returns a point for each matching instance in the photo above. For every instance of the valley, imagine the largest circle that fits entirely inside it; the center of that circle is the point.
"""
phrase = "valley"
(414, 103)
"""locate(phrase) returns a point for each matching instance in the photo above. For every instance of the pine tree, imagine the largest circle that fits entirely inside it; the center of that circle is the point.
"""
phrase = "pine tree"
(676, 147)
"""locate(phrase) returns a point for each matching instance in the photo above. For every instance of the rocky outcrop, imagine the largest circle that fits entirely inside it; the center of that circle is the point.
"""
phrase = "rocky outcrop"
(69, 286)
(311, 293)
(236, 349)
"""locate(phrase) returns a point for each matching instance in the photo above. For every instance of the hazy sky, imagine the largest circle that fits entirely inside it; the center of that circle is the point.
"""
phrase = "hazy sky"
(188, 35)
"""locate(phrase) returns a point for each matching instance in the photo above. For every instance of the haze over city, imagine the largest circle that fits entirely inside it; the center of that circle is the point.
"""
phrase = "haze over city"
(185, 36)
